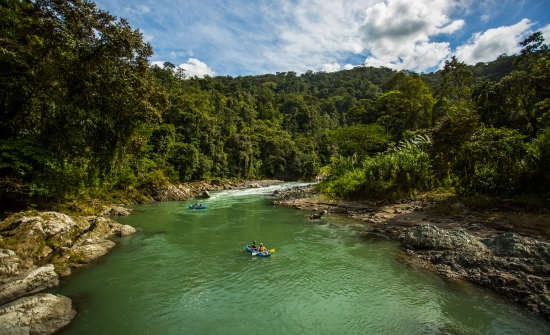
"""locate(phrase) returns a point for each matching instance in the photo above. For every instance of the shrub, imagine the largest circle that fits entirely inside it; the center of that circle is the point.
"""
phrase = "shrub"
(400, 171)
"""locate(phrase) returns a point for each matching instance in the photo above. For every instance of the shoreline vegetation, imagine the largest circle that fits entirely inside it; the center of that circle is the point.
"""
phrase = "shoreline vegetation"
(86, 121)
(501, 247)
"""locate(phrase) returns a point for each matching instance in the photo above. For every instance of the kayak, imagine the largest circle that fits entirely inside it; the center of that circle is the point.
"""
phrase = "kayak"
(197, 207)
(259, 254)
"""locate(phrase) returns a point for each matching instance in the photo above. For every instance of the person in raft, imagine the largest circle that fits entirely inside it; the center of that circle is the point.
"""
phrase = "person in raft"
(253, 245)
(261, 248)
(195, 205)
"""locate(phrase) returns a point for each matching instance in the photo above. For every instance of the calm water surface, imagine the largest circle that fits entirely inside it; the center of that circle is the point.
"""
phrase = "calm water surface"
(186, 272)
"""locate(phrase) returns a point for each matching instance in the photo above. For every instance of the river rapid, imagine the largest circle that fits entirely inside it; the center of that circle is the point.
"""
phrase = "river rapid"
(186, 272)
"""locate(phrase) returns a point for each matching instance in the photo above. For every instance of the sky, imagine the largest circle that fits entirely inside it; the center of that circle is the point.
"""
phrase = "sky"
(249, 37)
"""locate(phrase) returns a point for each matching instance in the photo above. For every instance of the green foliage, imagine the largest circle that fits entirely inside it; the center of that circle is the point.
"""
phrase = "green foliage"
(359, 139)
(448, 135)
(491, 162)
(400, 171)
(539, 150)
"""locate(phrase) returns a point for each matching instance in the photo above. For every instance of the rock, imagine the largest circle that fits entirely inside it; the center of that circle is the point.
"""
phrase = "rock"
(512, 245)
(43, 313)
(315, 216)
(171, 193)
(434, 238)
(10, 265)
(35, 281)
(115, 211)
(37, 233)
(204, 195)
(127, 230)
(89, 250)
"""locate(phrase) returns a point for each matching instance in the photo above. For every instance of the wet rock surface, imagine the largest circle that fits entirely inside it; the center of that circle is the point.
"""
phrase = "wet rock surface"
(36, 248)
(515, 266)
(464, 245)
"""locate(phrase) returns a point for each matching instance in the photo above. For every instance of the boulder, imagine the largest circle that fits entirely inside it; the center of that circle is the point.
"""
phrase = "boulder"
(512, 245)
(204, 195)
(11, 265)
(43, 313)
(37, 234)
(434, 238)
(115, 211)
(127, 230)
(88, 250)
(35, 281)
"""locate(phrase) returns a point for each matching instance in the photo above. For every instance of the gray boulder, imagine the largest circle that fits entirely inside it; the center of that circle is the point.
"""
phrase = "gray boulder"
(204, 195)
(127, 230)
(43, 313)
(434, 238)
(35, 281)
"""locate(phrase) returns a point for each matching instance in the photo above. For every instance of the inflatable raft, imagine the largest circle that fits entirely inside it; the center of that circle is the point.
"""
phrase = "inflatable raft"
(254, 252)
(197, 207)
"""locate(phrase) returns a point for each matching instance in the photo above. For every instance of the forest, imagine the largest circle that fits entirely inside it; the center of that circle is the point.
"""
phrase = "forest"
(85, 115)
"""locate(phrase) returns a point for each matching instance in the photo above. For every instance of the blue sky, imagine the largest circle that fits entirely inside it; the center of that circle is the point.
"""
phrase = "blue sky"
(242, 37)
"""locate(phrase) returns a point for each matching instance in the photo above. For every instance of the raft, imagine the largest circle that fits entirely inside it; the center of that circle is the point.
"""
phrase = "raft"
(259, 254)
(197, 207)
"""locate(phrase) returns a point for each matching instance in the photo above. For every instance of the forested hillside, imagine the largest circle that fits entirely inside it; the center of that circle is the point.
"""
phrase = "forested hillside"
(83, 114)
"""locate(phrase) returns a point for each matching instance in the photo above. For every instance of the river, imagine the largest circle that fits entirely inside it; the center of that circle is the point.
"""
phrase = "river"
(186, 272)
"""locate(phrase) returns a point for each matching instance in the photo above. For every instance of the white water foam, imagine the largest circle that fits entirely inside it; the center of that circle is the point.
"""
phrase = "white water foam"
(257, 190)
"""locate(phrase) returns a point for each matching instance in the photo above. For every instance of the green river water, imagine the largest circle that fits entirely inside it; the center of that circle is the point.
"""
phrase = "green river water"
(186, 272)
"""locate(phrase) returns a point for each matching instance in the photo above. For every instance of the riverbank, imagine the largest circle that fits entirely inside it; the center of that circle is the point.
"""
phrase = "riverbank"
(37, 248)
(493, 248)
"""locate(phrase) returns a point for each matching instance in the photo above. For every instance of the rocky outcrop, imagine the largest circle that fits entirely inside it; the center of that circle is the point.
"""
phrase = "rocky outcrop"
(316, 215)
(35, 249)
(42, 313)
(114, 210)
(430, 237)
(204, 195)
(11, 266)
(515, 266)
(35, 281)
(299, 192)
(126, 230)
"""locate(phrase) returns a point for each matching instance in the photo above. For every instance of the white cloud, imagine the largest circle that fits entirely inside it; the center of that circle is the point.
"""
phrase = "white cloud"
(330, 67)
(311, 33)
(195, 68)
(546, 33)
(486, 46)
(398, 33)
(192, 68)
(139, 9)
(348, 67)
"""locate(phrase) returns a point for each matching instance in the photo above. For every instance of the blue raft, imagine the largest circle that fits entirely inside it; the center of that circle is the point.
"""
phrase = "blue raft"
(197, 207)
(259, 254)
